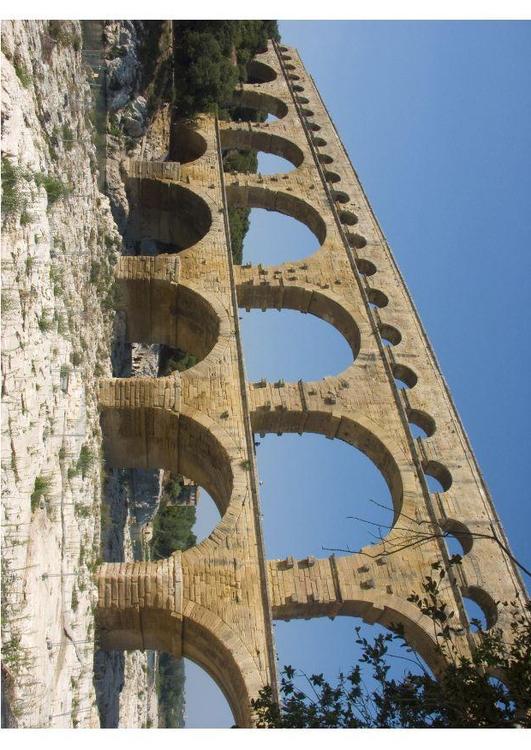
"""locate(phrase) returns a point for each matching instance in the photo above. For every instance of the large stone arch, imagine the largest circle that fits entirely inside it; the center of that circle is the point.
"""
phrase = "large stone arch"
(141, 606)
(262, 140)
(360, 432)
(324, 305)
(255, 196)
(159, 311)
(167, 213)
(147, 437)
(371, 606)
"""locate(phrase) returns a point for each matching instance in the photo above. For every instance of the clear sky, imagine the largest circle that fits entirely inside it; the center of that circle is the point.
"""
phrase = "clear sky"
(436, 118)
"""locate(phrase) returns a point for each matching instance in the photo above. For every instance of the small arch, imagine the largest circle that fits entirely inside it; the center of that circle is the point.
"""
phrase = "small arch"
(422, 420)
(404, 374)
(256, 101)
(348, 218)
(365, 267)
(302, 99)
(166, 213)
(324, 158)
(261, 140)
(440, 473)
(319, 142)
(356, 240)
(259, 72)
(314, 126)
(186, 144)
(243, 196)
(340, 197)
(377, 298)
(284, 49)
(293, 77)
(332, 177)
(307, 113)
(390, 333)
(289, 66)
(298, 87)
(484, 601)
(460, 532)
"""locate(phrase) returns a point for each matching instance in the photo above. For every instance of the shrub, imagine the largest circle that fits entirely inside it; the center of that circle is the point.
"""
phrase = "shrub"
(84, 462)
(55, 189)
(22, 74)
(40, 489)
(13, 199)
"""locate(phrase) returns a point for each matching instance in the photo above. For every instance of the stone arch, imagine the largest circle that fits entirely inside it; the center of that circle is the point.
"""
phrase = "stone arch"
(216, 648)
(385, 609)
(161, 312)
(154, 438)
(186, 144)
(307, 300)
(359, 432)
(262, 140)
(259, 72)
(261, 102)
(251, 196)
(167, 213)
(144, 617)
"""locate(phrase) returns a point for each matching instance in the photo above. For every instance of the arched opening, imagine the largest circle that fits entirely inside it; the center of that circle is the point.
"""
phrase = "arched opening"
(304, 300)
(174, 315)
(356, 433)
(148, 438)
(356, 240)
(255, 106)
(205, 706)
(391, 336)
(257, 197)
(422, 424)
(313, 493)
(186, 144)
(365, 267)
(252, 231)
(479, 606)
(438, 477)
(262, 141)
(458, 538)
(404, 376)
(259, 72)
(328, 647)
(301, 338)
(348, 218)
(377, 298)
(167, 215)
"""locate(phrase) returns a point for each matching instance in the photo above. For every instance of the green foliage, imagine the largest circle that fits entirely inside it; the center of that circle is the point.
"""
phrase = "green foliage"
(55, 189)
(85, 460)
(74, 603)
(174, 360)
(464, 696)
(40, 489)
(204, 51)
(44, 322)
(13, 199)
(170, 691)
(238, 227)
(64, 34)
(172, 530)
(23, 76)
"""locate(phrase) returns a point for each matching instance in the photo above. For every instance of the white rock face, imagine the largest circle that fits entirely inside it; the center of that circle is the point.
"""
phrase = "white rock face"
(59, 245)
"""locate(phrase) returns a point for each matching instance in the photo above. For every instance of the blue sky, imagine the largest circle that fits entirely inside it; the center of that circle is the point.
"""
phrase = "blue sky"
(436, 118)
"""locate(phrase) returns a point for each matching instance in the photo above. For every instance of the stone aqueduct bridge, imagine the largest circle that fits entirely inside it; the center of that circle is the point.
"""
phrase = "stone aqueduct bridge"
(215, 602)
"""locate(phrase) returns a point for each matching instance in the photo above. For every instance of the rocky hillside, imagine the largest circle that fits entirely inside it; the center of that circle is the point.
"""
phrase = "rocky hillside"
(59, 245)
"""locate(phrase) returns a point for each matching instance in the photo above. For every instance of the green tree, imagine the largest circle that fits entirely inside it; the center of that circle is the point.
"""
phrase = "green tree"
(464, 695)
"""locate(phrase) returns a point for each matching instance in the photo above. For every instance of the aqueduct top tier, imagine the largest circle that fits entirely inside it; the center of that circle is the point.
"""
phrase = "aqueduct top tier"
(215, 602)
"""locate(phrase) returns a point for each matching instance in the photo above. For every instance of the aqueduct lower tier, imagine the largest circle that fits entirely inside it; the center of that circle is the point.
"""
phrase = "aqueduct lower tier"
(215, 602)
